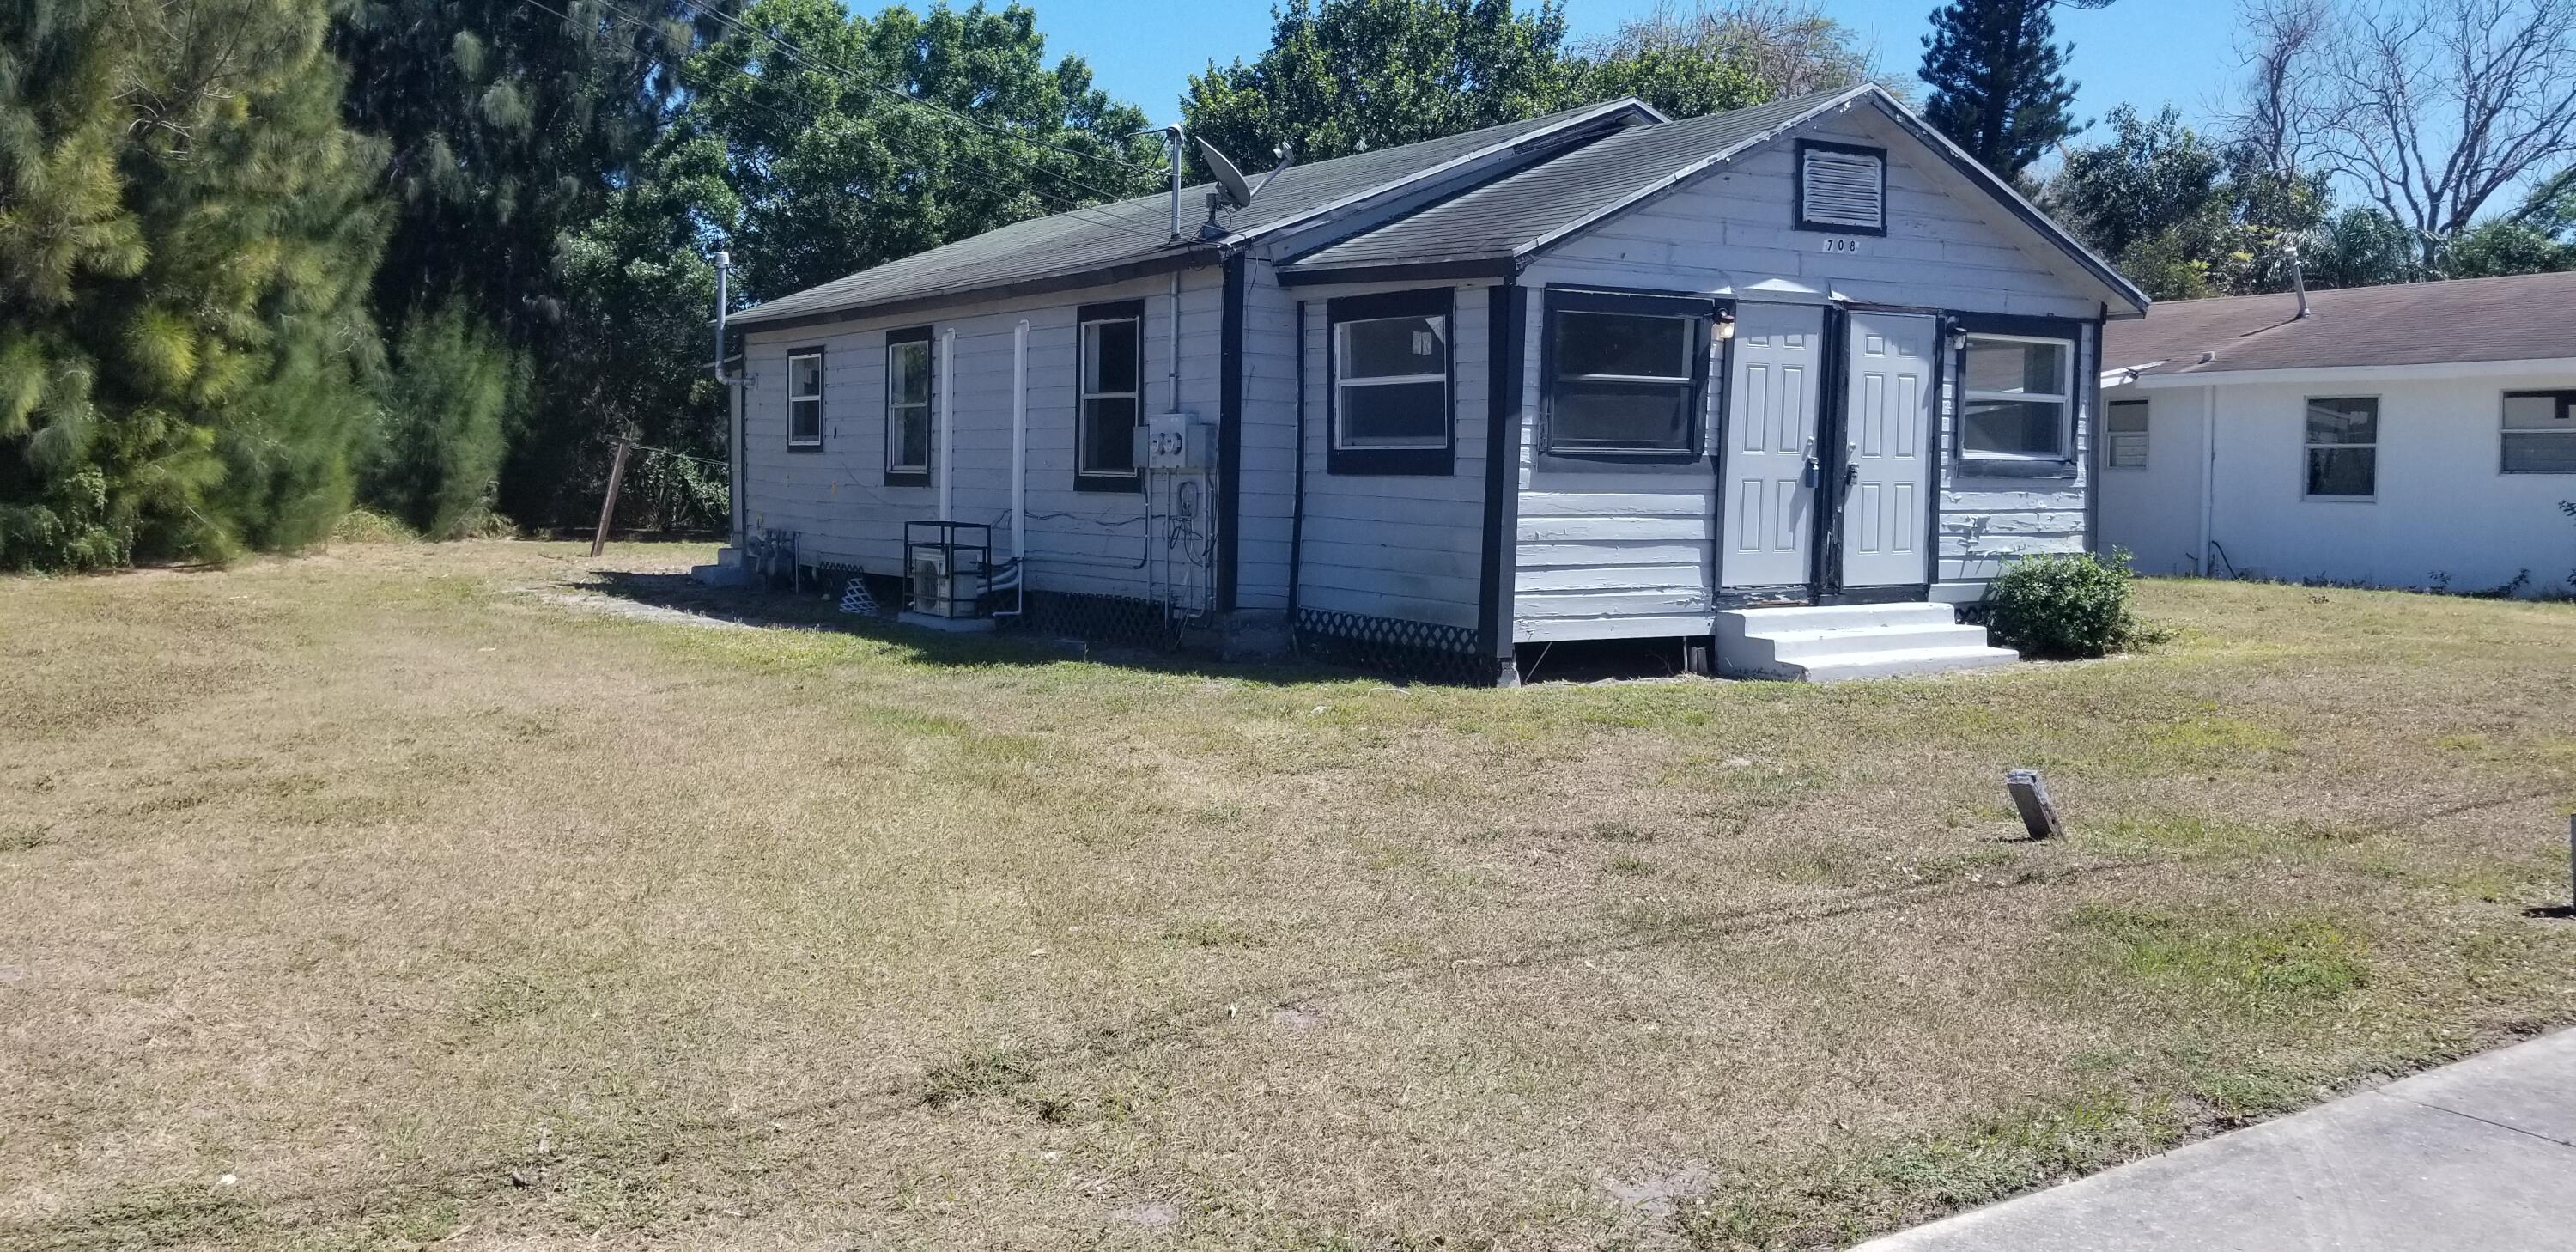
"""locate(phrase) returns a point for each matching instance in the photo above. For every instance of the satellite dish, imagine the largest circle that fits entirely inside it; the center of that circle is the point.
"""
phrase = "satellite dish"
(1228, 179)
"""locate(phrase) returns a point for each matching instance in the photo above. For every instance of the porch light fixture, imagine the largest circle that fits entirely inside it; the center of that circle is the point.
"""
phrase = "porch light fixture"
(1725, 325)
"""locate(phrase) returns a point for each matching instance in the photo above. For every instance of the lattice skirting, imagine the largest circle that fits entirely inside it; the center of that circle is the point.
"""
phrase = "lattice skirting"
(830, 577)
(1419, 650)
(1098, 618)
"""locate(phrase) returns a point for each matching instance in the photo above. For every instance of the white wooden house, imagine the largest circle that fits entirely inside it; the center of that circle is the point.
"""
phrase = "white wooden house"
(1786, 383)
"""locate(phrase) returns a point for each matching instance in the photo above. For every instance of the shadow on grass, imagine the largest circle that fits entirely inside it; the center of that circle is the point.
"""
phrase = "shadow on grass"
(1012, 645)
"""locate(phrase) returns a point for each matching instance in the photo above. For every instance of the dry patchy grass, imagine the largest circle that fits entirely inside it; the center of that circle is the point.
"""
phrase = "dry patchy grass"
(426, 903)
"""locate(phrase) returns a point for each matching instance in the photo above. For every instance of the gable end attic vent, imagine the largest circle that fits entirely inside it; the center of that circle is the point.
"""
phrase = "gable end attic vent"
(1842, 188)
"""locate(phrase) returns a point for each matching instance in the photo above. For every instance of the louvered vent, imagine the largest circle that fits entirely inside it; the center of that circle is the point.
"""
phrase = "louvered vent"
(1847, 189)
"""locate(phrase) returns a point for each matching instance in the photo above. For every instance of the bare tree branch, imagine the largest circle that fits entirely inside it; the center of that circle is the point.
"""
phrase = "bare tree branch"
(2433, 107)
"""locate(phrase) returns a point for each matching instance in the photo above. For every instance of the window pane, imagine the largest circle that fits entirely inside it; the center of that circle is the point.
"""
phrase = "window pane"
(2343, 421)
(1402, 415)
(2013, 427)
(2539, 410)
(1391, 347)
(1622, 343)
(2006, 365)
(908, 373)
(805, 420)
(1653, 416)
(1109, 436)
(2539, 452)
(1109, 357)
(912, 435)
(804, 376)
(2342, 471)
(2128, 416)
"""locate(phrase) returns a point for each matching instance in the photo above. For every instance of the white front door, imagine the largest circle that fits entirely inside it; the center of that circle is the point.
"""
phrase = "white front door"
(1768, 516)
(1888, 429)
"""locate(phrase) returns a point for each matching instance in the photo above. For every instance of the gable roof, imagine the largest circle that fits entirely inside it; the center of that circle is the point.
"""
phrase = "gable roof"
(1129, 238)
(2470, 319)
(1524, 212)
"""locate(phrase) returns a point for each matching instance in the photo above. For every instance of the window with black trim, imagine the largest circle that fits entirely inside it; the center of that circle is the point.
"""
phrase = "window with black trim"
(2125, 422)
(1626, 374)
(805, 398)
(2540, 432)
(1112, 395)
(907, 379)
(2017, 397)
(2343, 448)
(1842, 188)
(1391, 410)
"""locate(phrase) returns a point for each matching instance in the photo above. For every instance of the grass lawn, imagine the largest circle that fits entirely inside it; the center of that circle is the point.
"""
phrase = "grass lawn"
(409, 894)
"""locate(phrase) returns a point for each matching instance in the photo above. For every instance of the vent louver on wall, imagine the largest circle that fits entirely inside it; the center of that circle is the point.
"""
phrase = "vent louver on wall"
(1839, 188)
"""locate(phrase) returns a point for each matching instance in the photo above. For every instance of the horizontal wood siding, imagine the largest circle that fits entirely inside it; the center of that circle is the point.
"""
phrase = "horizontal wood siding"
(1986, 521)
(837, 500)
(1615, 556)
(1607, 555)
(1730, 233)
(1403, 546)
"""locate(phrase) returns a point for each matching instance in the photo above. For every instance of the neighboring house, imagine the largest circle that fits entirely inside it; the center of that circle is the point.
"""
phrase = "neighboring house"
(1597, 375)
(2418, 435)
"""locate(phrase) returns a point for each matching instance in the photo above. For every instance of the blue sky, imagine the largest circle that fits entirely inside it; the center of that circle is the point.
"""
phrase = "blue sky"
(2146, 52)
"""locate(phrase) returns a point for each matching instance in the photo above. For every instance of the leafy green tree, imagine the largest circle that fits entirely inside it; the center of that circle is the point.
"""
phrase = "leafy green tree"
(186, 235)
(1998, 84)
(435, 460)
(812, 143)
(1341, 75)
(510, 123)
(2362, 246)
(832, 170)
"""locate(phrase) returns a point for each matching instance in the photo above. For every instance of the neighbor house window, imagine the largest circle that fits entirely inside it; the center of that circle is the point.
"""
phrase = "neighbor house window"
(1625, 374)
(805, 399)
(2126, 422)
(2016, 397)
(1113, 372)
(2343, 448)
(908, 405)
(2540, 432)
(1391, 410)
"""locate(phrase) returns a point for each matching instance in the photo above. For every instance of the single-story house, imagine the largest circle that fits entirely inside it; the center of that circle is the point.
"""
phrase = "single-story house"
(1784, 384)
(2414, 435)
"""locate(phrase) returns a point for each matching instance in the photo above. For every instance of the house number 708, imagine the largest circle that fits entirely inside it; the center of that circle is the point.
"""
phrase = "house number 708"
(1838, 243)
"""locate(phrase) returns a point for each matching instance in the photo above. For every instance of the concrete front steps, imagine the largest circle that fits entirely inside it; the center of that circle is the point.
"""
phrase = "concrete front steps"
(1829, 643)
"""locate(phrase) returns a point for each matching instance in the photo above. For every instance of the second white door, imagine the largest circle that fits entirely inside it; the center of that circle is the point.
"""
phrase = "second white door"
(1886, 493)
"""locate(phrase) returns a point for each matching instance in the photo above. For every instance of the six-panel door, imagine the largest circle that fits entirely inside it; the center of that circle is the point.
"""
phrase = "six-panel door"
(1767, 518)
(1886, 492)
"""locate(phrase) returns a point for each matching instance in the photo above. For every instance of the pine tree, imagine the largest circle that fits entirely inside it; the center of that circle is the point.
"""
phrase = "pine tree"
(186, 235)
(1998, 89)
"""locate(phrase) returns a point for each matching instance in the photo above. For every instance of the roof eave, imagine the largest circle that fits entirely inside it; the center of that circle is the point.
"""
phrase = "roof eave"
(1497, 265)
(1602, 112)
(1045, 284)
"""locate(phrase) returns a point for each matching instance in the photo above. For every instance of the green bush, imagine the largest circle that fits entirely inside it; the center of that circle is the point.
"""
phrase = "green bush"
(2068, 605)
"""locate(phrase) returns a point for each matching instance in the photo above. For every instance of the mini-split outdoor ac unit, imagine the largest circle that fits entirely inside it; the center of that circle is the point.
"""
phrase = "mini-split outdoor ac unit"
(948, 568)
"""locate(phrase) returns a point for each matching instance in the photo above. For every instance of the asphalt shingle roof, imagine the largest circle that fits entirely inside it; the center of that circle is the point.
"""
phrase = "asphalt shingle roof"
(1493, 219)
(1130, 231)
(2475, 319)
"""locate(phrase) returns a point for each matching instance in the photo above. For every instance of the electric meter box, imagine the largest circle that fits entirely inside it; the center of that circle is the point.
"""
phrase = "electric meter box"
(1179, 441)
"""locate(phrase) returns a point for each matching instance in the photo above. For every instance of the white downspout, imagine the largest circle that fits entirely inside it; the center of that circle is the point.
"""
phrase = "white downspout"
(2208, 476)
(1019, 468)
(947, 420)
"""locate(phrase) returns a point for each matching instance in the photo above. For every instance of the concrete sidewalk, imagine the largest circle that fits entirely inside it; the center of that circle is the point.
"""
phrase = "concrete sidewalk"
(2480, 1155)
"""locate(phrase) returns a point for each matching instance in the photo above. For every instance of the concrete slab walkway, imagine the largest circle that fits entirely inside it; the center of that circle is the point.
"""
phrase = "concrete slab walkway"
(2481, 1154)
